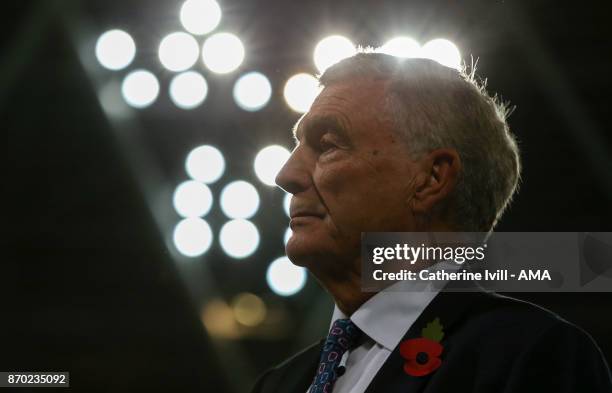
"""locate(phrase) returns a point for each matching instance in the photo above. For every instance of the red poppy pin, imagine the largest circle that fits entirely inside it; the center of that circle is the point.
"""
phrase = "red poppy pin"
(423, 354)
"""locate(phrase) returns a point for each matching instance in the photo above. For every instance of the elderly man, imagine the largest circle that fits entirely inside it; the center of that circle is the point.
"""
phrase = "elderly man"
(406, 146)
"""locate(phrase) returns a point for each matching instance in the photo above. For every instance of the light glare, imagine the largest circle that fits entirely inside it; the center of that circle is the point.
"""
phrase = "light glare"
(222, 53)
(331, 50)
(239, 199)
(252, 91)
(287, 203)
(178, 51)
(284, 278)
(287, 236)
(192, 199)
(443, 51)
(200, 16)
(269, 162)
(188, 90)
(192, 237)
(140, 88)
(205, 163)
(300, 92)
(239, 238)
(404, 47)
(115, 49)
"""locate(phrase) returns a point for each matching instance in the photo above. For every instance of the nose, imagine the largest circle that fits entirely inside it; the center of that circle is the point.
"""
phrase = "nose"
(294, 176)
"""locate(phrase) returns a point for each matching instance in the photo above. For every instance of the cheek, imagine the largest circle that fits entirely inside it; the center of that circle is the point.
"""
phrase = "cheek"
(333, 179)
(338, 186)
(362, 196)
(345, 189)
(343, 184)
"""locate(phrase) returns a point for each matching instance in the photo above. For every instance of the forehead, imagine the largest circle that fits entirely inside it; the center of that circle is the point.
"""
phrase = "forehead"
(343, 105)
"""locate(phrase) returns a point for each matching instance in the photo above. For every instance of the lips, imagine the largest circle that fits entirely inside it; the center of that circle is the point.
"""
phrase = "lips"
(302, 215)
(305, 213)
(302, 207)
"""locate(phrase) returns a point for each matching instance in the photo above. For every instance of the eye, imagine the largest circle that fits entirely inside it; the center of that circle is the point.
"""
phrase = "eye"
(327, 143)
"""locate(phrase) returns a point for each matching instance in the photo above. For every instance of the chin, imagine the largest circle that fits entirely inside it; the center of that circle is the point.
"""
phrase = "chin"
(297, 252)
(305, 250)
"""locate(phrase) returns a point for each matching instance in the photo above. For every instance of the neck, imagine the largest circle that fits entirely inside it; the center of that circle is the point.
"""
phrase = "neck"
(348, 302)
(347, 292)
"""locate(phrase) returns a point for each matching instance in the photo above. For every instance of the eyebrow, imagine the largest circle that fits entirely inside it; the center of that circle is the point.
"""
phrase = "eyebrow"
(330, 123)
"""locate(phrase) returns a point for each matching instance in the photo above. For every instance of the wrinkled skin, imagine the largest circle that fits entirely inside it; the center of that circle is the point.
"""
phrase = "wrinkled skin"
(350, 173)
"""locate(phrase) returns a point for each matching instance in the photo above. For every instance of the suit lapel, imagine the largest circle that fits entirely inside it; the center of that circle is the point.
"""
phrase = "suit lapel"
(391, 377)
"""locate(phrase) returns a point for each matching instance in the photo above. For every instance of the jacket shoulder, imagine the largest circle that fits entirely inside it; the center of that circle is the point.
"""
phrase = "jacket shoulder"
(491, 316)
(296, 370)
(505, 311)
(499, 343)
(527, 343)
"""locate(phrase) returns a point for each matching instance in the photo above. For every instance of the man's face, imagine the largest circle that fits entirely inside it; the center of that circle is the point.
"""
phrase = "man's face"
(349, 173)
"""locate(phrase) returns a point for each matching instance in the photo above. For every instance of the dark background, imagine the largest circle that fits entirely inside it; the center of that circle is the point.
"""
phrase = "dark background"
(90, 283)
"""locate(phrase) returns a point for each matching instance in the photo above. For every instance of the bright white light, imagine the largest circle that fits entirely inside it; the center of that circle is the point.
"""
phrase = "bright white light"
(401, 47)
(200, 16)
(115, 49)
(443, 51)
(140, 88)
(192, 237)
(222, 53)
(178, 51)
(252, 91)
(269, 162)
(205, 163)
(287, 236)
(287, 203)
(239, 238)
(301, 91)
(284, 278)
(192, 199)
(331, 50)
(239, 199)
(188, 90)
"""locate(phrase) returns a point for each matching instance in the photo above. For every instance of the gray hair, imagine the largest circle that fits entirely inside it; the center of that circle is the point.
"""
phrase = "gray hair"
(434, 107)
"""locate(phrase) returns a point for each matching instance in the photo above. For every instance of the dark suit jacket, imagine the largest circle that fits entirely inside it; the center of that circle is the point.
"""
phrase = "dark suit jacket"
(492, 343)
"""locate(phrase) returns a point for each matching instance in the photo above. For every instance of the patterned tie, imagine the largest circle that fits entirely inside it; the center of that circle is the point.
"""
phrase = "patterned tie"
(343, 336)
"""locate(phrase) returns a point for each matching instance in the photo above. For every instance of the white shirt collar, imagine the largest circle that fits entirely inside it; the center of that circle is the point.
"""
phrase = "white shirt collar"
(387, 316)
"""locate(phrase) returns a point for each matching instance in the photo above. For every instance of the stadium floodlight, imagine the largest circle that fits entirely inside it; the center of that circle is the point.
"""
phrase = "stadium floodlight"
(239, 238)
(287, 236)
(178, 51)
(188, 90)
(115, 49)
(200, 16)
(192, 199)
(404, 47)
(140, 88)
(205, 163)
(192, 236)
(331, 50)
(252, 91)
(222, 53)
(443, 51)
(269, 162)
(300, 92)
(286, 203)
(284, 278)
(239, 199)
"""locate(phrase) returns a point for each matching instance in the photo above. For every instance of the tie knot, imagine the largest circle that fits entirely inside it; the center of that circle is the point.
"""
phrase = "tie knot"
(344, 333)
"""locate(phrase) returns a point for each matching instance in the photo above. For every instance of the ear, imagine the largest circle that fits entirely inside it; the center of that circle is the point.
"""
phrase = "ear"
(440, 170)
